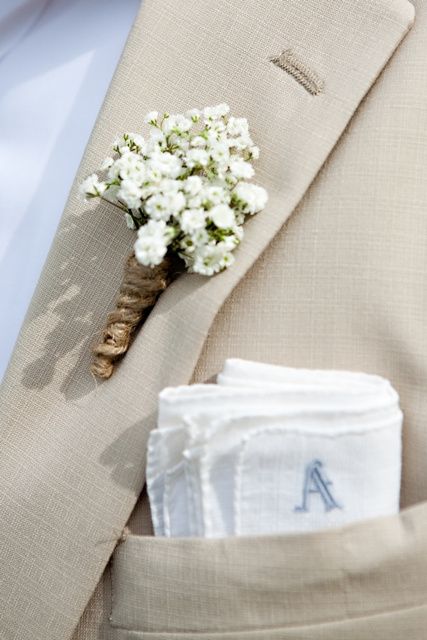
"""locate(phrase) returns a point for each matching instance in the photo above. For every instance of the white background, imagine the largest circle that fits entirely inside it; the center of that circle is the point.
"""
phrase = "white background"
(57, 58)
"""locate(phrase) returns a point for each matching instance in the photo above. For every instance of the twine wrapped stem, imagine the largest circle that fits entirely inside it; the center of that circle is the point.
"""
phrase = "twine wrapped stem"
(139, 290)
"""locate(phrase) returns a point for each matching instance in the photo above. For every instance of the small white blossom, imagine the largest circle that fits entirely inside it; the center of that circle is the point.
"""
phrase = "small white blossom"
(215, 194)
(193, 185)
(212, 113)
(200, 237)
(153, 175)
(198, 141)
(254, 151)
(92, 186)
(163, 206)
(211, 259)
(194, 202)
(157, 136)
(220, 152)
(152, 243)
(230, 243)
(237, 126)
(167, 164)
(151, 117)
(242, 143)
(137, 142)
(241, 169)
(108, 162)
(154, 229)
(194, 114)
(177, 124)
(156, 141)
(170, 185)
(253, 197)
(155, 207)
(179, 144)
(192, 220)
(176, 202)
(130, 194)
(216, 129)
(197, 157)
(129, 166)
(222, 216)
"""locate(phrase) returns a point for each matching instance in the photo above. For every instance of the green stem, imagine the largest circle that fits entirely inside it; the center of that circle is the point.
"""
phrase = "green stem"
(122, 208)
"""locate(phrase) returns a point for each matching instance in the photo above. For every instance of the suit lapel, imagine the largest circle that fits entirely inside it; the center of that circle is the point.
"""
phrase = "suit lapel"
(297, 71)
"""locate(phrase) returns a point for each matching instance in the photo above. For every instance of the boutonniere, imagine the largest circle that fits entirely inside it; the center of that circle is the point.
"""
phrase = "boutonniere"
(184, 189)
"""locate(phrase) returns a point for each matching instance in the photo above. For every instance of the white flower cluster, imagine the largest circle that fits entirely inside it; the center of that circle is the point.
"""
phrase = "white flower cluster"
(184, 187)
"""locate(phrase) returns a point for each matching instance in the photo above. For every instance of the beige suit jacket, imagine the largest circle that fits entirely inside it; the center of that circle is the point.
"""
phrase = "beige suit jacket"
(330, 275)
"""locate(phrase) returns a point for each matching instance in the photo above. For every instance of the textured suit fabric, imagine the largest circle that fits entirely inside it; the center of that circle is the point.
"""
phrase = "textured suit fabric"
(308, 583)
(340, 286)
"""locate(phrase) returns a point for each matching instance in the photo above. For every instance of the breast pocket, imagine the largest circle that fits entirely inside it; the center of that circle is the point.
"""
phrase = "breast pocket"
(336, 584)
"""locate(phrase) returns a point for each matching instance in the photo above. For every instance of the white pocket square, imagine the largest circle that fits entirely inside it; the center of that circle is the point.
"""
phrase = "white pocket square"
(272, 449)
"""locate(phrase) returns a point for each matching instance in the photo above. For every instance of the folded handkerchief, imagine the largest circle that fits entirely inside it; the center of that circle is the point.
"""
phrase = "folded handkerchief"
(271, 449)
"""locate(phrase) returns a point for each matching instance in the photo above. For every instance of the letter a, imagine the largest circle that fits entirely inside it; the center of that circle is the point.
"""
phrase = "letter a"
(315, 481)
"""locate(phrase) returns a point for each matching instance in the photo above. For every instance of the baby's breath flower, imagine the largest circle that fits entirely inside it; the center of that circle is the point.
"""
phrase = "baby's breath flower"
(194, 202)
(194, 114)
(178, 144)
(152, 243)
(193, 185)
(241, 143)
(164, 205)
(216, 128)
(108, 162)
(168, 165)
(200, 237)
(237, 126)
(177, 124)
(151, 117)
(254, 152)
(241, 169)
(168, 185)
(222, 216)
(251, 198)
(92, 187)
(192, 219)
(136, 142)
(184, 186)
(220, 152)
(212, 113)
(216, 194)
(197, 158)
(130, 194)
(210, 259)
(156, 141)
(198, 141)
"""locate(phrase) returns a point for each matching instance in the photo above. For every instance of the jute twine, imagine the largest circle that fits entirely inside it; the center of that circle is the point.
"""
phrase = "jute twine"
(139, 290)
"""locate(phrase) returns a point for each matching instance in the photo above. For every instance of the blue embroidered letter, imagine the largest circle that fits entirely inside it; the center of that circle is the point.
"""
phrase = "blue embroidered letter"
(315, 481)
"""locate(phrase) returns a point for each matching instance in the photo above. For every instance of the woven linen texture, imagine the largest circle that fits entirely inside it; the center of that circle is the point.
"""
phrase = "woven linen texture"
(72, 453)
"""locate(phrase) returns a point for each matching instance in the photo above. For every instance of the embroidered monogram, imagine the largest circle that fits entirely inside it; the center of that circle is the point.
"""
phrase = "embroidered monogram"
(315, 481)
(306, 77)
